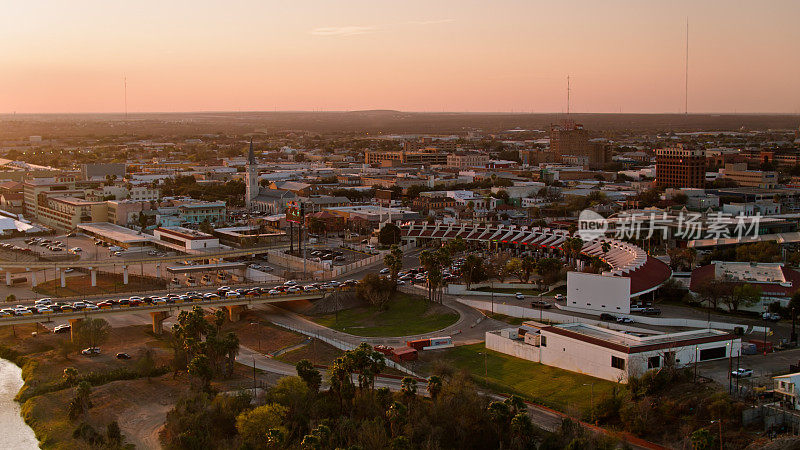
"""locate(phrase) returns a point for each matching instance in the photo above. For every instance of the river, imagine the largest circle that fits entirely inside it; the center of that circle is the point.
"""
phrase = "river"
(16, 433)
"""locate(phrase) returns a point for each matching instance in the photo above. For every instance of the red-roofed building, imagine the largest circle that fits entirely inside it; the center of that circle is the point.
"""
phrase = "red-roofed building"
(776, 282)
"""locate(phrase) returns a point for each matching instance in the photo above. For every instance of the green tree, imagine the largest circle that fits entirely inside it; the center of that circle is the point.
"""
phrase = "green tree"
(473, 271)
(703, 439)
(743, 295)
(309, 374)
(397, 415)
(376, 290)
(252, 424)
(70, 376)
(91, 332)
(389, 235)
(434, 386)
(200, 370)
(113, 433)
(408, 386)
(80, 404)
(394, 261)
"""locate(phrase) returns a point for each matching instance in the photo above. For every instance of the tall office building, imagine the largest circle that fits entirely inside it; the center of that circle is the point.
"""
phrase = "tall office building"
(572, 139)
(680, 166)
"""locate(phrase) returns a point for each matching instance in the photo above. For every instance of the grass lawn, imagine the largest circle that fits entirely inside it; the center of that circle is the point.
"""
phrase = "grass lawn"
(406, 315)
(107, 283)
(504, 318)
(531, 291)
(560, 389)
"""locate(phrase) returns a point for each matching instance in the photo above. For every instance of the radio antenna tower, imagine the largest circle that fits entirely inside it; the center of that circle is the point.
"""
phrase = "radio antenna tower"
(686, 74)
(125, 83)
(567, 96)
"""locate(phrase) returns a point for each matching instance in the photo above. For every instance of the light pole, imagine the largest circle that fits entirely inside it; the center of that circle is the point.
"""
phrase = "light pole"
(591, 401)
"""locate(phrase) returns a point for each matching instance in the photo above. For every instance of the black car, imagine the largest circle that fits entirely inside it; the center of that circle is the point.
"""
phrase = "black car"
(540, 304)
(651, 312)
(607, 316)
(123, 356)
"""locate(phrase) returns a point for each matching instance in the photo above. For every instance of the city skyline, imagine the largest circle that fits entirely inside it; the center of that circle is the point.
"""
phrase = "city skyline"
(451, 56)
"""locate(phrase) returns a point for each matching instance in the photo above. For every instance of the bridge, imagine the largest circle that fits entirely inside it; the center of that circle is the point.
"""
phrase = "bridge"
(93, 265)
(159, 312)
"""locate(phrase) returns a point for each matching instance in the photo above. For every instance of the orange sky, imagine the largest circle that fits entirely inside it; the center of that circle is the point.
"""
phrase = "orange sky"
(500, 55)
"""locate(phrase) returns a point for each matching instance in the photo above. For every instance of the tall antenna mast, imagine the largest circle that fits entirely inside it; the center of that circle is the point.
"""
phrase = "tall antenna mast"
(567, 95)
(686, 74)
(125, 83)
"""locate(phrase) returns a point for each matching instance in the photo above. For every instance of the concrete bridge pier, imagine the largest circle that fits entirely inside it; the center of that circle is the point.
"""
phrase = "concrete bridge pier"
(33, 279)
(158, 321)
(235, 312)
(93, 275)
(124, 274)
(63, 277)
(72, 324)
(8, 278)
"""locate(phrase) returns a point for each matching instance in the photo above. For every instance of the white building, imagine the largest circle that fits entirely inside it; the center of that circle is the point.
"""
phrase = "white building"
(786, 389)
(185, 239)
(610, 354)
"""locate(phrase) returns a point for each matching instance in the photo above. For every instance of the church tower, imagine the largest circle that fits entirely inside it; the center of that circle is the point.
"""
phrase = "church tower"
(251, 178)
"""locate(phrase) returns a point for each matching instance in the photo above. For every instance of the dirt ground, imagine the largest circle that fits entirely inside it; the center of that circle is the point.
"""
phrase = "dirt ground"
(140, 405)
(258, 334)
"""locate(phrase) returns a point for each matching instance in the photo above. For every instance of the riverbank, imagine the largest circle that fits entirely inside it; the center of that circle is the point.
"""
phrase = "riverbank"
(121, 390)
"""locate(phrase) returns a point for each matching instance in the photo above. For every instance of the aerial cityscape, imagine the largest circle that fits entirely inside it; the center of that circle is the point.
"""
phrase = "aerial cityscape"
(363, 225)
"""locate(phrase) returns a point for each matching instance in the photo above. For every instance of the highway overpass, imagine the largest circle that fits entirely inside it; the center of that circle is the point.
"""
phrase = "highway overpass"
(159, 312)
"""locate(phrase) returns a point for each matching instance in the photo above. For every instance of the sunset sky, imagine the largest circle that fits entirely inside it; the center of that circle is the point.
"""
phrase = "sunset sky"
(441, 55)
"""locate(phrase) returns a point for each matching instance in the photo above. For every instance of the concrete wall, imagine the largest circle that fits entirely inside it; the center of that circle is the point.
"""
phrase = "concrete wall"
(593, 292)
(511, 347)
(532, 313)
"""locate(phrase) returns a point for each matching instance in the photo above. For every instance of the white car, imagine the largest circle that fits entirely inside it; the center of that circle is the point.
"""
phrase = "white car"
(742, 372)
(519, 296)
(76, 249)
(290, 283)
(560, 297)
(384, 271)
(231, 294)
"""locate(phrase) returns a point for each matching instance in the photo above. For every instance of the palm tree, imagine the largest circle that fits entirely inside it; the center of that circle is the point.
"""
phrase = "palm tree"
(397, 415)
(408, 386)
(434, 386)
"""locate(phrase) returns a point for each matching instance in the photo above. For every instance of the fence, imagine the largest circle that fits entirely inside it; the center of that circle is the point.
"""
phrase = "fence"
(341, 345)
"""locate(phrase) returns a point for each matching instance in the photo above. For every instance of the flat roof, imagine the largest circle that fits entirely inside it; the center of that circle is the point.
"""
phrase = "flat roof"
(630, 343)
(115, 232)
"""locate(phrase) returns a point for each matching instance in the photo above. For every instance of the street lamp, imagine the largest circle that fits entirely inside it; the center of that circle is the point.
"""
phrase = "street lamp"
(591, 400)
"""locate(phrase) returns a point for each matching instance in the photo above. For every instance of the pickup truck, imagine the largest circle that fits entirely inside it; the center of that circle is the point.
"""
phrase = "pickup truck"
(741, 373)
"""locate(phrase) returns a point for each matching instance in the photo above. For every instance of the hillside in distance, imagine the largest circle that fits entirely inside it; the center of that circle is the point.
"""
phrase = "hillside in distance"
(374, 122)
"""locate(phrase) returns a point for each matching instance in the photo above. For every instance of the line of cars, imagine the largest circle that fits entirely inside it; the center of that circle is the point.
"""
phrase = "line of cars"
(48, 306)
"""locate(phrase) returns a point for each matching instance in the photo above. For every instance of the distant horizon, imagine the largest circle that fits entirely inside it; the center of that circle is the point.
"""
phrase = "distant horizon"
(257, 111)
(466, 56)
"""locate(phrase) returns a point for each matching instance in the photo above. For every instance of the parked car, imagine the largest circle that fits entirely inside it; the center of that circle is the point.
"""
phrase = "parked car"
(123, 356)
(540, 304)
(624, 320)
(742, 372)
(384, 271)
(772, 317)
(519, 296)
(64, 328)
(91, 351)
(651, 311)
(607, 316)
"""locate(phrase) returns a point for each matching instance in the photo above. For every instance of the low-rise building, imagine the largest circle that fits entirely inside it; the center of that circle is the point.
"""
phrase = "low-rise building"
(467, 159)
(611, 354)
(186, 239)
(750, 178)
(786, 390)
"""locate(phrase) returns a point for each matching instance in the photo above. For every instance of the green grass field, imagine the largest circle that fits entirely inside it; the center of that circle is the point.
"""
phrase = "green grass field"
(560, 389)
(406, 315)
